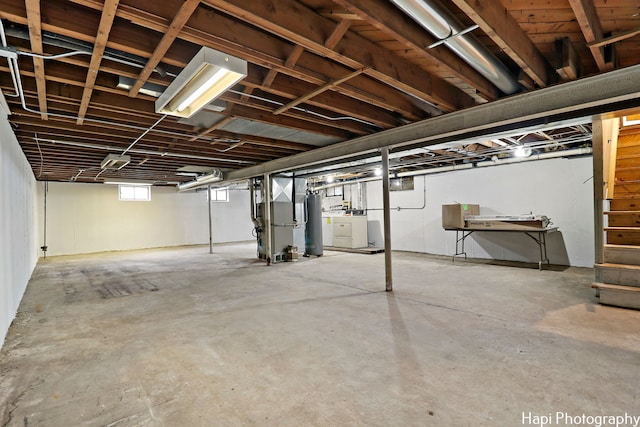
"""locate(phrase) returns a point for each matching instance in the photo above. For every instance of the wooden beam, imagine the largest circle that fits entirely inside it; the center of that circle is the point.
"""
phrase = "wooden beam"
(388, 19)
(179, 21)
(301, 25)
(264, 50)
(587, 17)
(568, 64)
(340, 14)
(502, 28)
(286, 88)
(106, 21)
(289, 63)
(337, 34)
(318, 91)
(216, 126)
(614, 39)
(35, 37)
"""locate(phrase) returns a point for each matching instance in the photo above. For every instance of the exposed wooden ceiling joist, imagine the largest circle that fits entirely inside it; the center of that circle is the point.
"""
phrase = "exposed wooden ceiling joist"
(304, 27)
(179, 21)
(35, 35)
(502, 28)
(388, 19)
(289, 103)
(106, 21)
(589, 21)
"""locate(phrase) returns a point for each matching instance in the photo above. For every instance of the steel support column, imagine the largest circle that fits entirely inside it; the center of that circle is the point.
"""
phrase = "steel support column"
(210, 223)
(386, 205)
(266, 199)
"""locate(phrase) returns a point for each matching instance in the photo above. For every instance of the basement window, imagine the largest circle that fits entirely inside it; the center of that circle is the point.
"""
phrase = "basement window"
(219, 194)
(401, 184)
(141, 193)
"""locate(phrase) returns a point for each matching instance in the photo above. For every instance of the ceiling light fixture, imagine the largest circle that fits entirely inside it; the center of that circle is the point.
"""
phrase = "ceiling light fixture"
(207, 76)
(114, 161)
(214, 176)
(522, 151)
(377, 171)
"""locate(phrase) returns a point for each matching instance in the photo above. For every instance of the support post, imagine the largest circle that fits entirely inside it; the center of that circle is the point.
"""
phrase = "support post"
(598, 190)
(210, 223)
(387, 219)
(266, 199)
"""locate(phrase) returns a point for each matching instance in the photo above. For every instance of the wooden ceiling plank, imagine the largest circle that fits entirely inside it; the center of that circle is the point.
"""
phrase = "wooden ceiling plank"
(502, 28)
(318, 91)
(106, 21)
(391, 21)
(35, 37)
(179, 21)
(300, 25)
(587, 17)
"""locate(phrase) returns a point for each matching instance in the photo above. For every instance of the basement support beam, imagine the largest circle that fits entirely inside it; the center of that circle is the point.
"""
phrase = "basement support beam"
(598, 192)
(386, 206)
(606, 92)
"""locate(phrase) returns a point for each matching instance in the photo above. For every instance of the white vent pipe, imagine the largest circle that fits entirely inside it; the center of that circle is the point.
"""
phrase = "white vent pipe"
(438, 21)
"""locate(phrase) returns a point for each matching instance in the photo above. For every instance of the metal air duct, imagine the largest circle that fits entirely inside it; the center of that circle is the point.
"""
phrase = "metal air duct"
(438, 21)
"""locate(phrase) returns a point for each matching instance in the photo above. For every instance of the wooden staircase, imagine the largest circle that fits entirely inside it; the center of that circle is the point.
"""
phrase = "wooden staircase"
(618, 277)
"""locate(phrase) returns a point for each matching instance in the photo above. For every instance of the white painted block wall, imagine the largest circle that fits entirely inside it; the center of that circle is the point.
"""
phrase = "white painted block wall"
(85, 218)
(19, 228)
(559, 188)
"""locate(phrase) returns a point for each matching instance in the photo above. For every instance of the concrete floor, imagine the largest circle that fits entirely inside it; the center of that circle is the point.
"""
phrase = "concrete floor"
(178, 337)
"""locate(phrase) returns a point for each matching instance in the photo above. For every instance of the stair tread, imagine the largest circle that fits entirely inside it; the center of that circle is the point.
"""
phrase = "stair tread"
(623, 247)
(632, 229)
(622, 212)
(626, 196)
(627, 181)
(616, 287)
(614, 265)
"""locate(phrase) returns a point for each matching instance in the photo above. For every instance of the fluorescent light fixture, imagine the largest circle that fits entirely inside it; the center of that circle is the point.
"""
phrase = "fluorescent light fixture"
(114, 161)
(118, 181)
(207, 76)
(214, 176)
